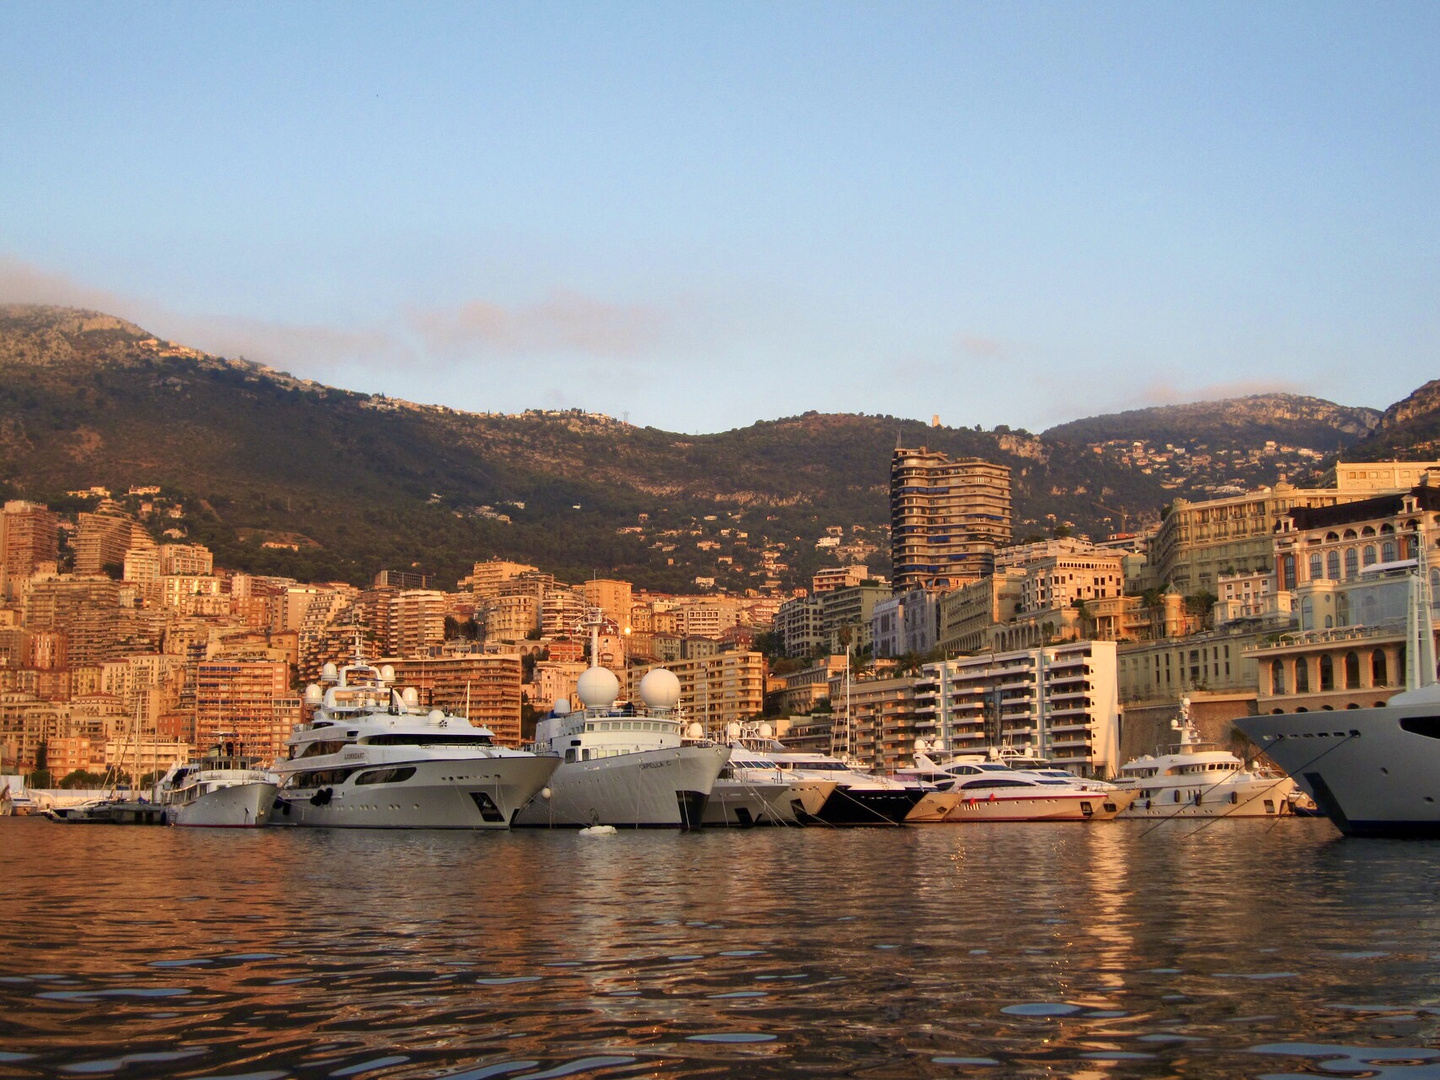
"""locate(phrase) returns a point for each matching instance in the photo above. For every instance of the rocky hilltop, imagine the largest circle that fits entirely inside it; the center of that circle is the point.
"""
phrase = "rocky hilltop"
(288, 476)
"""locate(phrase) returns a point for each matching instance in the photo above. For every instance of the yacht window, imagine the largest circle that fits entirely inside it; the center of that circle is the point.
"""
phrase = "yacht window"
(427, 738)
(386, 776)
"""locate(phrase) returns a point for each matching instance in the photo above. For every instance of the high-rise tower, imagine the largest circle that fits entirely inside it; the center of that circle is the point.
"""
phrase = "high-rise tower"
(946, 518)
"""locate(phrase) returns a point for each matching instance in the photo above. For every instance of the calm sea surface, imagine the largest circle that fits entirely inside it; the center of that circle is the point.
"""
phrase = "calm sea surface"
(1235, 949)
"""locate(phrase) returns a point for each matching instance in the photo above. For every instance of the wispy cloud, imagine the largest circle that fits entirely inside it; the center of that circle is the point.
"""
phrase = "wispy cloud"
(983, 347)
(565, 321)
(25, 283)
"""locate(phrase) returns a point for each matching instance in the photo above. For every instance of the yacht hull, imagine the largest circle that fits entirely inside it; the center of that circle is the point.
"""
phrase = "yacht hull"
(1373, 772)
(741, 802)
(1067, 806)
(237, 806)
(462, 793)
(865, 806)
(1258, 797)
(661, 789)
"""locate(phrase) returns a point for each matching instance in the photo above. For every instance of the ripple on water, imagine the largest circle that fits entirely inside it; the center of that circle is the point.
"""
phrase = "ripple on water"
(1043, 1008)
(1381, 1063)
(114, 1064)
(732, 1037)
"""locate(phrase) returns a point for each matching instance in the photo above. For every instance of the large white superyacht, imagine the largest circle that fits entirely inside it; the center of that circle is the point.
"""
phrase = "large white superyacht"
(1194, 779)
(371, 758)
(1375, 771)
(623, 765)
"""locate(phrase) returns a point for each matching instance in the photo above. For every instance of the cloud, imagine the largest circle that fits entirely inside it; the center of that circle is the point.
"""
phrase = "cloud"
(25, 283)
(980, 346)
(566, 322)
(288, 345)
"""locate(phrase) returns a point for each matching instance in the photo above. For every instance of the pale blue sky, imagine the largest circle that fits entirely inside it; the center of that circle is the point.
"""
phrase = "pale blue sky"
(701, 215)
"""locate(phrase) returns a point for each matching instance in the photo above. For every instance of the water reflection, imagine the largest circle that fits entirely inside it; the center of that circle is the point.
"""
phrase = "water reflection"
(1098, 951)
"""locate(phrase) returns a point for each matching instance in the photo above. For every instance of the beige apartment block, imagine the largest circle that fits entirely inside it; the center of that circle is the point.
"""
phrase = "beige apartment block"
(716, 691)
(29, 540)
(1060, 702)
(1198, 542)
(247, 702)
(875, 721)
(947, 518)
(1164, 670)
(1366, 478)
(484, 686)
(612, 597)
(486, 578)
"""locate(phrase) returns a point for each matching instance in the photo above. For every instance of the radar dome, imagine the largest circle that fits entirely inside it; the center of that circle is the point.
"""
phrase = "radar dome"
(766, 731)
(387, 673)
(732, 729)
(313, 694)
(561, 707)
(694, 731)
(436, 716)
(329, 673)
(409, 696)
(598, 688)
(660, 689)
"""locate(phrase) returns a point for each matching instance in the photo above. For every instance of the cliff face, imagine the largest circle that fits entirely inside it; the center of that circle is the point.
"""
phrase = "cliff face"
(1292, 418)
(1423, 404)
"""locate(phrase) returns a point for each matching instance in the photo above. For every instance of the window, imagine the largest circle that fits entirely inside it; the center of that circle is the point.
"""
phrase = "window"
(1352, 563)
(1327, 673)
(1332, 565)
(1387, 551)
(1352, 670)
(1302, 675)
(1317, 570)
(1277, 677)
(1378, 673)
(1369, 555)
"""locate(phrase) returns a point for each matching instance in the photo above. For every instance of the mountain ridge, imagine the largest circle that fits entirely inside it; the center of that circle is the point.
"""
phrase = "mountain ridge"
(377, 482)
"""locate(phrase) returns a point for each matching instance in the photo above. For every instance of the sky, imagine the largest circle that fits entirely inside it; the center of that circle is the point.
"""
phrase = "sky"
(697, 216)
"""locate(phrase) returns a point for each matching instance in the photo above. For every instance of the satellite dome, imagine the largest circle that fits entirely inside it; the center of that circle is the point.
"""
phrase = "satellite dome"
(387, 673)
(598, 688)
(313, 694)
(561, 707)
(409, 696)
(694, 731)
(660, 689)
(732, 729)
(766, 731)
(436, 716)
(329, 673)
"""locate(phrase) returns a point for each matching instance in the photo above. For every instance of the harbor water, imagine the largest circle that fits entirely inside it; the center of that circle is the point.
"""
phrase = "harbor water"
(1184, 949)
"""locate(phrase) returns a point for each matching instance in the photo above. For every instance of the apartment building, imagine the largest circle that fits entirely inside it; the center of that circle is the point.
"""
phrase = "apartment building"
(485, 686)
(874, 721)
(717, 690)
(1060, 702)
(1198, 542)
(29, 541)
(248, 703)
(947, 518)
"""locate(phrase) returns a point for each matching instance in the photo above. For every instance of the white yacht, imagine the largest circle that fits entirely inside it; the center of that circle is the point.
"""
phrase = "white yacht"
(622, 765)
(372, 758)
(753, 791)
(1194, 779)
(223, 789)
(983, 789)
(1375, 771)
(857, 798)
